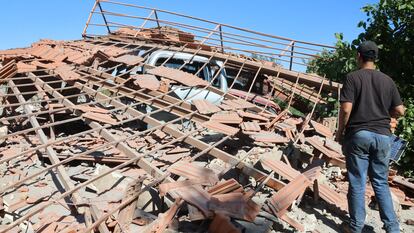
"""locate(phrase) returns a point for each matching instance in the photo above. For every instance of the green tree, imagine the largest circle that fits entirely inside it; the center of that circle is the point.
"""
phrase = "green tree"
(391, 25)
(335, 64)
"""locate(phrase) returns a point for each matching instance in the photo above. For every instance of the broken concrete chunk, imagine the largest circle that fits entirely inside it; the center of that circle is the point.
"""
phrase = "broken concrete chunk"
(107, 182)
(3, 133)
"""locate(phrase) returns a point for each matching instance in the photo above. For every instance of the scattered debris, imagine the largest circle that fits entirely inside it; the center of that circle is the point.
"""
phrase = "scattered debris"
(95, 136)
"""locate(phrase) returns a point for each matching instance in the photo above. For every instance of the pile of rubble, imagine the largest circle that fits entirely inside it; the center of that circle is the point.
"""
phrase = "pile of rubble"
(81, 152)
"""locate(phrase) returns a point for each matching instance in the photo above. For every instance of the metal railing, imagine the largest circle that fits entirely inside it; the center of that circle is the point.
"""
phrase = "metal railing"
(107, 16)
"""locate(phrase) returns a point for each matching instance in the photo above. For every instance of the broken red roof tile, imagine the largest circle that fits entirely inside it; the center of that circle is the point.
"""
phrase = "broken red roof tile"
(227, 118)
(48, 53)
(225, 186)
(398, 193)
(289, 134)
(277, 118)
(221, 128)
(293, 121)
(85, 108)
(104, 118)
(234, 205)
(313, 173)
(205, 106)
(270, 137)
(9, 152)
(165, 187)
(66, 73)
(126, 31)
(8, 70)
(233, 104)
(267, 115)
(39, 50)
(177, 150)
(54, 54)
(185, 36)
(158, 133)
(250, 126)
(147, 81)
(52, 65)
(253, 116)
(321, 129)
(333, 197)
(280, 201)
(164, 85)
(226, 107)
(281, 168)
(255, 98)
(194, 172)
(332, 145)
(194, 195)
(76, 56)
(24, 67)
(198, 46)
(50, 228)
(128, 59)
(31, 200)
(13, 53)
(17, 204)
(178, 75)
(150, 140)
(23, 189)
(173, 158)
(313, 141)
(399, 180)
(221, 224)
(284, 126)
(292, 222)
(164, 219)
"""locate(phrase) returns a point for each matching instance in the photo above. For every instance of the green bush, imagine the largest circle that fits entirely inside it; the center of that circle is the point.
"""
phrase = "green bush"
(405, 129)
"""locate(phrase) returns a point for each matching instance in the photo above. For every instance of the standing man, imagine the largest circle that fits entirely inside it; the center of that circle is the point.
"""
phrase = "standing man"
(369, 98)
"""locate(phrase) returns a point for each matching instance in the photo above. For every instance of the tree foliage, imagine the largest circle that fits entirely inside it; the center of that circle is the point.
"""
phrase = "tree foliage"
(390, 23)
(335, 64)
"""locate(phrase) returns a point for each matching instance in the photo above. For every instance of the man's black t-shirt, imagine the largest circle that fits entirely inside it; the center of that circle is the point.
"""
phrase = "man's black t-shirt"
(373, 94)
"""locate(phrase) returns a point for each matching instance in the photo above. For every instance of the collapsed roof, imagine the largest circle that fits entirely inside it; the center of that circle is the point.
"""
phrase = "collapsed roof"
(143, 127)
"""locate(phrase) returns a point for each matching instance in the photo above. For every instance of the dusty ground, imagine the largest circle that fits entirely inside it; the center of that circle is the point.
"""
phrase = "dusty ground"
(321, 218)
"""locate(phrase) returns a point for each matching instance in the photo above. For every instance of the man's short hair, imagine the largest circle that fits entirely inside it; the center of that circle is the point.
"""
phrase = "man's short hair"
(368, 51)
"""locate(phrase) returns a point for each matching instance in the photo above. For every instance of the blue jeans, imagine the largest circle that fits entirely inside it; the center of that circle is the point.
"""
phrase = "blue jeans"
(368, 152)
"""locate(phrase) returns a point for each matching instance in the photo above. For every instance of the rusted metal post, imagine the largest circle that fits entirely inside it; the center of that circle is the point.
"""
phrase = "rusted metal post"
(145, 21)
(316, 191)
(210, 34)
(156, 18)
(103, 16)
(89, 19)
(291, 55)
(221, 39)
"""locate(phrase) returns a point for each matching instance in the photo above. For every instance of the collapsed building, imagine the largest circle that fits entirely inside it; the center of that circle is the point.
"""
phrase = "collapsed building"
(166, 126)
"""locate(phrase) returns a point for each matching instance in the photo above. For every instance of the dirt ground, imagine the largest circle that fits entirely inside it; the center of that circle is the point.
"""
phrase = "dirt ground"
(320, 217)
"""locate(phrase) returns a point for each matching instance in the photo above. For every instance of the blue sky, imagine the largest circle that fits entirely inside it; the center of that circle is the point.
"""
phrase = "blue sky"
(24, 22)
